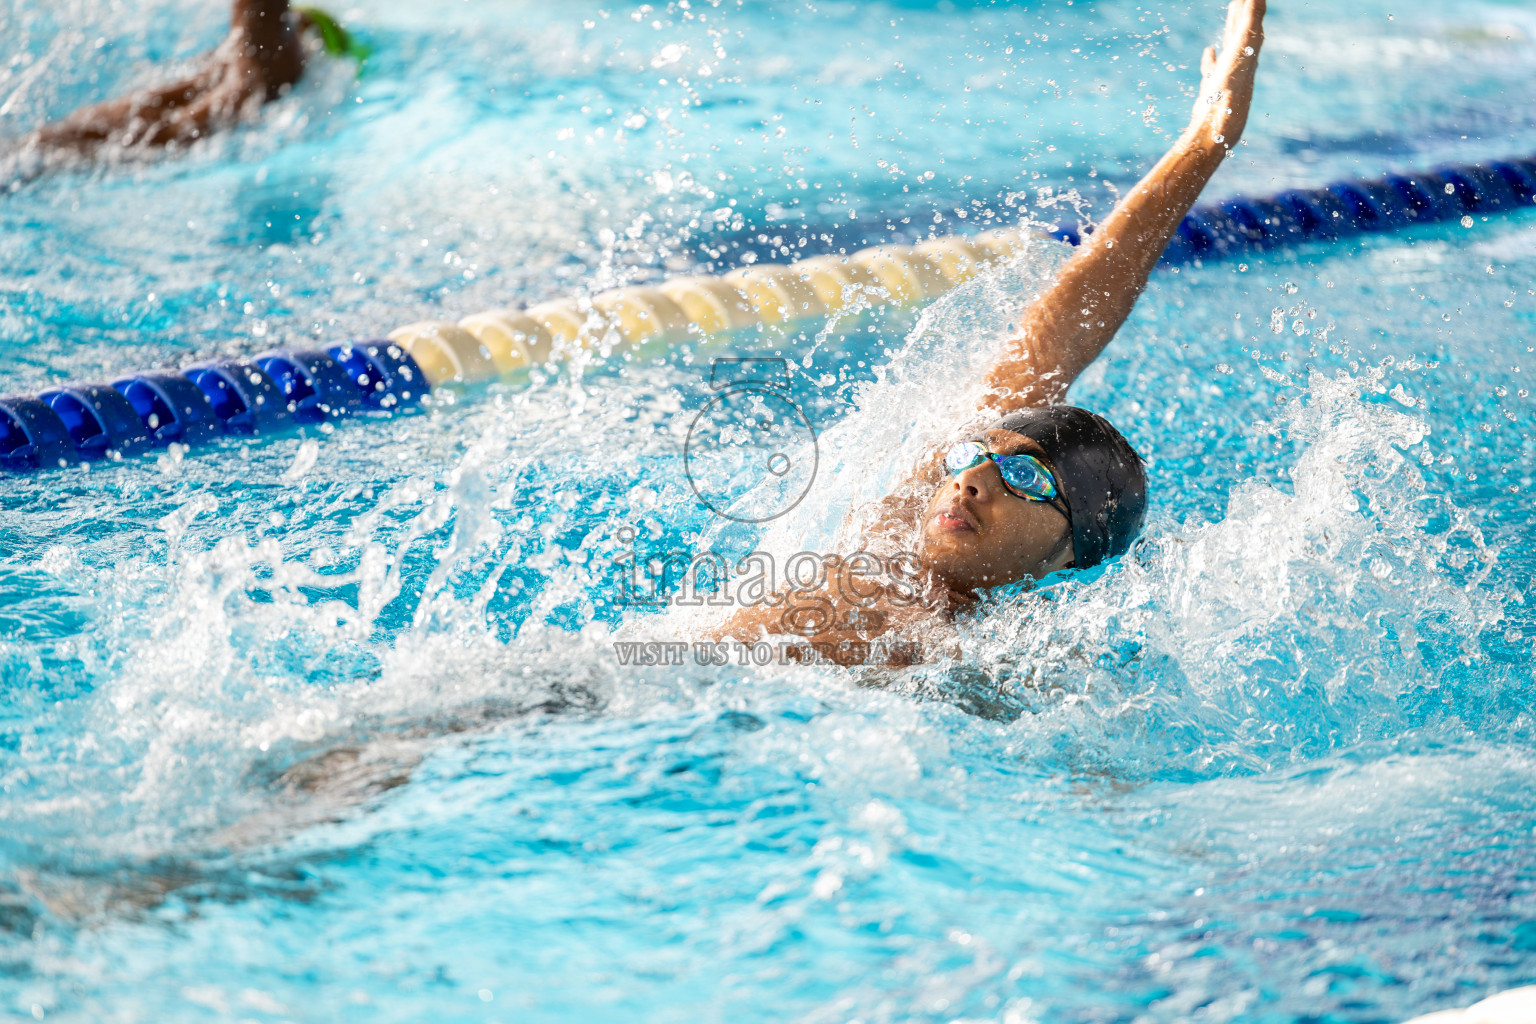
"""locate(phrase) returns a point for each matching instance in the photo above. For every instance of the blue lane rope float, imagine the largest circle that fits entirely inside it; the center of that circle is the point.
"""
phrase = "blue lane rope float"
(243, 396)
(1352, 208)
(99, 420)
(279, 390)
(31, 435)
(171, 407)
(316, 387)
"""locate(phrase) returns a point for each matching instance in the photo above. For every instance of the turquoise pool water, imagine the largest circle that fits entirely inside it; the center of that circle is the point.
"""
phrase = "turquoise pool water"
(330, 727)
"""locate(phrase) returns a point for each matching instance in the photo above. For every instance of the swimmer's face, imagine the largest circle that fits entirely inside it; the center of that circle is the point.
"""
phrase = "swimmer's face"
(976, 534)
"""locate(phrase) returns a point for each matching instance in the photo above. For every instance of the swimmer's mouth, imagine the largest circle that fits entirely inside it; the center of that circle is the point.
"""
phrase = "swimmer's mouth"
(955, 519)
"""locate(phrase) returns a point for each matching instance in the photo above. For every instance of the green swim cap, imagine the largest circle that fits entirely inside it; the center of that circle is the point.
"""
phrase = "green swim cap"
(338, 41)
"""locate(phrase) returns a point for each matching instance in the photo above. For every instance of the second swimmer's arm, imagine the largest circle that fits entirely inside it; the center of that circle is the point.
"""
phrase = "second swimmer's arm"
(259, 58)
(1068, 325)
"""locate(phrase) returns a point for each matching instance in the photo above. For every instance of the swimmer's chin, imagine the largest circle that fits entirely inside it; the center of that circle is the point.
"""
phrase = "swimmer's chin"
(957, 563)
(948, 560)
(949, 537)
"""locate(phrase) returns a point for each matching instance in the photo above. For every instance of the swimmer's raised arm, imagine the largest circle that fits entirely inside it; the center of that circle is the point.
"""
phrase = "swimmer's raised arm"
(1067, 326)
(1042, 489)
(1070, 323)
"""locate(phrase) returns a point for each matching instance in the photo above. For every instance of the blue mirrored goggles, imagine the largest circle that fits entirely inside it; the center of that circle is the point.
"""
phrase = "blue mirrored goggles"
(1024, 476)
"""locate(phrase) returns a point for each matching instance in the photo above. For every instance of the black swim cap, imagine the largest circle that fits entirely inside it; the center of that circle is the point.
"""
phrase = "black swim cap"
(1099, 473)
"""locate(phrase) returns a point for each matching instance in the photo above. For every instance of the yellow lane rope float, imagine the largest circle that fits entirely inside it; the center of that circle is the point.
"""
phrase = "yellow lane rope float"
(275, 390)
(501, 342)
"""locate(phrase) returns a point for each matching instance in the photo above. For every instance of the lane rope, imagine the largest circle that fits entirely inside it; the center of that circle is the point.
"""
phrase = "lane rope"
(282, 389)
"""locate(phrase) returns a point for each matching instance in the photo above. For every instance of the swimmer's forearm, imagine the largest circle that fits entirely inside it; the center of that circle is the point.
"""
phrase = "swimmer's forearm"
(263, 21)
(1132, 239)
(259, 58)
(270, 56)
(1096, 290)
(258, 11)
(1067, 326)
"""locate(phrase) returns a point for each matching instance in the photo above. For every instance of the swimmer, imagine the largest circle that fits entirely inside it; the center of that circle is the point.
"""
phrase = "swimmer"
(259, 61)
(1036, 487)
(1033, 486)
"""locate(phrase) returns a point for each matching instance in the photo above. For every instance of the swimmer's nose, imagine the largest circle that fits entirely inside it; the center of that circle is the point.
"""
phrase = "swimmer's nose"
(978, 483)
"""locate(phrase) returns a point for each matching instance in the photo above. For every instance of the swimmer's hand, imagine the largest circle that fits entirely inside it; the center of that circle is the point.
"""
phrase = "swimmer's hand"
(1226, 78)
(256, 63)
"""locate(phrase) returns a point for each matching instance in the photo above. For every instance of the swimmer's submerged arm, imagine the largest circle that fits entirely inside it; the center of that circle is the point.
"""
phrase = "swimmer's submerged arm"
(1069, 324)
(259, 58)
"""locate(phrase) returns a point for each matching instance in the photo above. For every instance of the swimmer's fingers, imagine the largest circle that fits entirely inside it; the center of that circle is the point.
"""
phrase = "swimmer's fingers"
(1211, 98)
(1226, 76)
(1212, 80)
(1244, 32)
(1241, 39)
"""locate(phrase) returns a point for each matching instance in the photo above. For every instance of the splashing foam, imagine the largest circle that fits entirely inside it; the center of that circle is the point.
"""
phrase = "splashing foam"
(255, 693)
(1306, 620)
(931, 388)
